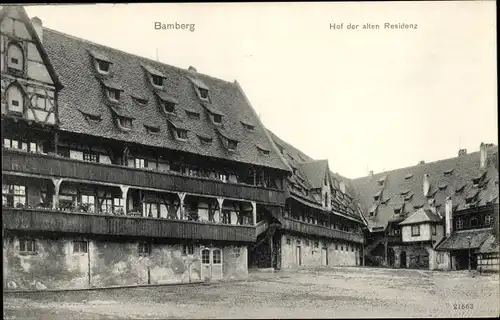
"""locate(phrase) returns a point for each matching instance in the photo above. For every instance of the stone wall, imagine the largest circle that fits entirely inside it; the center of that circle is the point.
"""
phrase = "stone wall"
(55, 265)
(418, 256)
(327, 252)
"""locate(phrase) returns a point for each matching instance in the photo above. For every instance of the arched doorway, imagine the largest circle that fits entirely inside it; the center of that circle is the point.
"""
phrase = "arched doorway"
(390, 257)
(402, 259)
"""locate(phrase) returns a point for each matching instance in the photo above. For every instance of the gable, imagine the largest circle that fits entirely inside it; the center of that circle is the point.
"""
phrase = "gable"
(25, 69)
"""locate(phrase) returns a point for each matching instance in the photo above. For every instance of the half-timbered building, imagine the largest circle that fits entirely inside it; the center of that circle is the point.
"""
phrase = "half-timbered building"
(120, 170)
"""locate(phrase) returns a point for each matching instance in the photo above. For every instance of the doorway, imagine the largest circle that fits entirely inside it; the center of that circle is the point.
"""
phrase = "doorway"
(211, 263)
(324, 256)
(298, 255)
(402, 260)
(390, 257)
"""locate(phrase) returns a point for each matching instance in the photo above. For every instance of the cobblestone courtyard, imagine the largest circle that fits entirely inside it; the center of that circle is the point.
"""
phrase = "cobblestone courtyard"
(333, 293)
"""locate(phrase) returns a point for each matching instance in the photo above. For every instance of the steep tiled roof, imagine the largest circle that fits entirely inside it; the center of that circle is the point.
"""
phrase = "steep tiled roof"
(422, 215)
(458, 239)
(309, 174)
(490, 245)
(449, 177)
(83, 94)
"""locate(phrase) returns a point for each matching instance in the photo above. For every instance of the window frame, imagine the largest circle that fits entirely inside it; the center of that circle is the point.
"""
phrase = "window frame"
(144, 248)
(11, 195)
(434, 229)
(33, 246)
(415, 230)
(81, 246)
(100, 63)
(202, 92)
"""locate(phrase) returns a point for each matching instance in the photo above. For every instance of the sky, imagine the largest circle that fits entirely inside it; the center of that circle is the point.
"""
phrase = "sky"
(365, 99)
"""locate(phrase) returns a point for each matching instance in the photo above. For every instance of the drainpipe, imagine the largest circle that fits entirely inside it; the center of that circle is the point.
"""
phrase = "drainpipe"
(88, 255)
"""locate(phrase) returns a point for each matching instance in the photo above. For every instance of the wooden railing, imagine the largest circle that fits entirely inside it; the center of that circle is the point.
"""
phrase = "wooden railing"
(307, 228)
(69, 222)
(394, 239)
(59, 167)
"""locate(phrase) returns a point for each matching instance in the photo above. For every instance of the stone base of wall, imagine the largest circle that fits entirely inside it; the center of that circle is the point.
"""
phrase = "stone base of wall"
(55, 264)
(326, 253)
(417, 256)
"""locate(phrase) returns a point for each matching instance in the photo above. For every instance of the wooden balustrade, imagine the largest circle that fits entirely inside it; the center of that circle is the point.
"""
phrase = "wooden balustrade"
(307, 228)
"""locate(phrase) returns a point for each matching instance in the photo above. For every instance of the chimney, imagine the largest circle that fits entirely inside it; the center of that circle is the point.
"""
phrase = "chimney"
(483, 150)
(192, 69)
(448, 216)
(427, 184)
(421, 162)
(462, 152)
(37, 25)
(370, 174)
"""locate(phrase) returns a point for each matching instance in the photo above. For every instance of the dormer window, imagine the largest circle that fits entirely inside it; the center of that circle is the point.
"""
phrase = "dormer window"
(139, 100)
(217, 118)
(251, 127)
(397, 211)
(264, 151)
(113, 95)
(205, 140)
(103, 66)
(157, 80)
(193, 115)
(125, 123)
(181, 134)
(409, 176)
(169, 106)
(232, 144)
(152, 130)
(203, 93)
(376, 198)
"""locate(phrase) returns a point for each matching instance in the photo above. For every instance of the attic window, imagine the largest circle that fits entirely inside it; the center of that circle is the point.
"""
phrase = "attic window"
(404, 192)
(141, 101)
(460, 188)
(205, 140)
(193, 115)
(376, 197)
(153, 130)
(397, 211)
(168, 106)
(181, 134)
(203, 93)
(448, 172)
(442, 186)
(475, 181)
(249, 127)
(409, 176)
(217, 118)
(408, 197)
(125, 122)
(418, 206)
(232, 144)
(385, 200)
(157, 80)
(263, 151)
(113, 94)
(103, 66)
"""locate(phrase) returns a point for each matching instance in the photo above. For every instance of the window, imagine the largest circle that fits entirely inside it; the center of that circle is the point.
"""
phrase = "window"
(248, 127)
(440, 257)
(336, 246)
(126, 123)
(182, 134)
(118, 205)
(187, 249)
(169, 107)
(193, 115)
(217, 118)
(205, 140)
(107, 205)
(415, 231)
(15, 99)
(144, 248)
(341, 248)
(217, 256)
(15, 57)
(434, 229)
(87, 202)
(27, 246)
(316, 244)
(152, 130)
(203, 93)
(80, 247)
(205, 256)
(103, 66)
(232, 144)
(226, 216)
(397, 231)
(474, 222)
(488, 219)
(288, 241)
(140, 163)
(157, 80)
(397, 211)
(91, 156)
(459, 223)
(13, 195)
(152, 210)
(114, 95)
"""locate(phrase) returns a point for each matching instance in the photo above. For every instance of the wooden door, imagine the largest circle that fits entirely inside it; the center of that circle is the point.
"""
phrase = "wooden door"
(217, 264)
(324, 256)
(206, 266)
(298, 255)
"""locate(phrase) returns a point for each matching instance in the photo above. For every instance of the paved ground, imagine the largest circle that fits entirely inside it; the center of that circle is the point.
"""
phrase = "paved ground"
(333, 293)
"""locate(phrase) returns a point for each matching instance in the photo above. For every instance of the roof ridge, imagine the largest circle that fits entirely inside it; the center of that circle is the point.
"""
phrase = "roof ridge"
(132, 54)
(418, 165)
